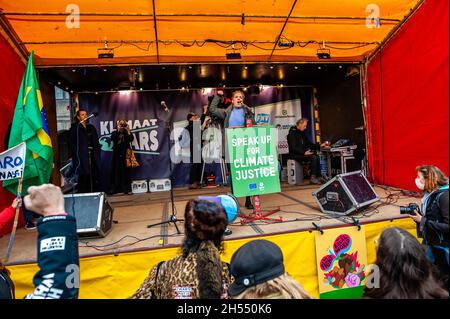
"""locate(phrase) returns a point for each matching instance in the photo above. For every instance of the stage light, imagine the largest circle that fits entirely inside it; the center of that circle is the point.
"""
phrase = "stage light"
(286, 44)
(324, 53)
(233, 56)
(105, 52)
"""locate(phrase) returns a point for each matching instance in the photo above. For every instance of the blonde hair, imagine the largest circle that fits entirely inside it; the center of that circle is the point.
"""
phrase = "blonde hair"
(434, 177)
(281, 287)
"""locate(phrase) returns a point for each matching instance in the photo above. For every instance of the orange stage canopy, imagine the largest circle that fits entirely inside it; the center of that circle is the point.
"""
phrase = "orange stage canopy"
(199, 31)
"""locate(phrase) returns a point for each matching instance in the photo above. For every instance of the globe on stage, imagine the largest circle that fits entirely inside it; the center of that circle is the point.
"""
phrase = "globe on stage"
(231, 206)
(229, 203)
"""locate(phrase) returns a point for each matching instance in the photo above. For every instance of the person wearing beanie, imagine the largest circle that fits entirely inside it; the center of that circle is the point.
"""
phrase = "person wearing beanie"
(198, 273)
(258, 271)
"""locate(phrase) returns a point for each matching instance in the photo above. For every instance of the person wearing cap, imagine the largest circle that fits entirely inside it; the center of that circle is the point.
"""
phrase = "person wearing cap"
(198, 273)
(236, 115)
(258, 271)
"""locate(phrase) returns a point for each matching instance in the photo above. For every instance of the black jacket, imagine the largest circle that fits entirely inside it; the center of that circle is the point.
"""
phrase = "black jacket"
(433, 227)
(57, 251)
(80, 139)
(6, 285)
(299, 143)
(224, 114)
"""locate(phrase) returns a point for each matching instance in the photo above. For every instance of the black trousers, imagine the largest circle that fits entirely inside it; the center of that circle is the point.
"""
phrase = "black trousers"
(314, 160)
(195, 173)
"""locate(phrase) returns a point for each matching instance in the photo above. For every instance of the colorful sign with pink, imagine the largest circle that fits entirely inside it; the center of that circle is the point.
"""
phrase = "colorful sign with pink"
(341, 262)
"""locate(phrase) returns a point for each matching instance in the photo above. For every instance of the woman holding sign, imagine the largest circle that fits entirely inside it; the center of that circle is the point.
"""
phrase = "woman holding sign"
(236, 115)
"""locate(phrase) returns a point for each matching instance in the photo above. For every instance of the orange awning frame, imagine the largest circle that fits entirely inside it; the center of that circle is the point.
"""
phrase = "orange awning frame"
(192, 32)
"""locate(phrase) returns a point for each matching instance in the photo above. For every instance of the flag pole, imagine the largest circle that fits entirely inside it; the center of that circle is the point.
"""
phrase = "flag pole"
(16, 220)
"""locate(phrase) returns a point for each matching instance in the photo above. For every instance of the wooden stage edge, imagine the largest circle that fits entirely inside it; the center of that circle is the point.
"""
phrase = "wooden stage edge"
(133, 213)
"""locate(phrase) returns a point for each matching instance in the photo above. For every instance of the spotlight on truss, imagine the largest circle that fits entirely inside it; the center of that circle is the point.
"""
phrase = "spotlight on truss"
(324, 53)
(105, 53)
(285, 43)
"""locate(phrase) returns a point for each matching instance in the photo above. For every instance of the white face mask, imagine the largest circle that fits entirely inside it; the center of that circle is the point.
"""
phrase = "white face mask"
(419, 184)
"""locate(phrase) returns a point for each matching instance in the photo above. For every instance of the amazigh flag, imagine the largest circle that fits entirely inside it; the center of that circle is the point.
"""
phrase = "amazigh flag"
(30, 126)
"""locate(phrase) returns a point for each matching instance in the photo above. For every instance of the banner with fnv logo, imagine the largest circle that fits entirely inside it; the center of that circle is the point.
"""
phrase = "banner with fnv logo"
(253, 160)
(12, 162)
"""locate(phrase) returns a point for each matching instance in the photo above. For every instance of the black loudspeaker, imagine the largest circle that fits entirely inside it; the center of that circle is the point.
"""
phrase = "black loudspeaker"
(345, 193)
(92, 211)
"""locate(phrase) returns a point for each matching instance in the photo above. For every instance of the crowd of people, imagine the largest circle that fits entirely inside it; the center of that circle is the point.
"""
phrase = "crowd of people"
(408, 269)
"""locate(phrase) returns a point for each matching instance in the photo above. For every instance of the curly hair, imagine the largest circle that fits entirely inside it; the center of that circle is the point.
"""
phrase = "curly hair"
(434, 177)
(205, 224)
(405, 272)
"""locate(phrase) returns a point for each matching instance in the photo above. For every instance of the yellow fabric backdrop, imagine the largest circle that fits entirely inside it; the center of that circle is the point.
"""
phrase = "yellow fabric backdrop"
(116, 277)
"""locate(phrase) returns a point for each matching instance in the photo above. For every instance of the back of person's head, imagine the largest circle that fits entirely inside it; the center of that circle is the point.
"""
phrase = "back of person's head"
(205, 223)
(258, 271)
(405, 272)
(434, 177)
(6, 284)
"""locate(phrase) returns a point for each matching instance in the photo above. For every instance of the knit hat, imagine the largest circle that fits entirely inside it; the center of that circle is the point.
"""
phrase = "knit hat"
(254, 263)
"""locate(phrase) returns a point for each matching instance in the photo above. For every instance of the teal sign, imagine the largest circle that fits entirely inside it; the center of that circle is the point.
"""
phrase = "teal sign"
(253, 160)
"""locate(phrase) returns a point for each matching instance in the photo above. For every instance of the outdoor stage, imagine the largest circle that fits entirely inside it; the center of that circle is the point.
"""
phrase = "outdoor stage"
(131, 248)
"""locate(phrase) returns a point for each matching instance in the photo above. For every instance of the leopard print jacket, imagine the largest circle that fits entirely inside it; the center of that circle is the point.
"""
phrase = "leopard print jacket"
(177, 279)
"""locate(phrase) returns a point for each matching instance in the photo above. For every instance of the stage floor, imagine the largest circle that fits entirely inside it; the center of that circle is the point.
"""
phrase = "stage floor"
(132, 214)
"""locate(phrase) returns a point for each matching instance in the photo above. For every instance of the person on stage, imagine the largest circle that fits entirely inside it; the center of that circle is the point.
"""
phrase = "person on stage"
(85, 151)
(120, 177)
(302, 149)
(236, 115)
(194, 148)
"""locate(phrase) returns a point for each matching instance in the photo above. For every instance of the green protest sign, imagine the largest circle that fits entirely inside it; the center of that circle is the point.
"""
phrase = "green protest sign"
(253, 160)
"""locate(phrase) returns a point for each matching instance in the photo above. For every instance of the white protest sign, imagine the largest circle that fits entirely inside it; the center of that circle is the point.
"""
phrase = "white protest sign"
(12, 162)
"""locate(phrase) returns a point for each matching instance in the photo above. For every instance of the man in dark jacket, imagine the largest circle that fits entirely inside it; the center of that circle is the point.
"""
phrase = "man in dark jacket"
(85, 150)
(302, 150)
(236, 115)
(195, 149)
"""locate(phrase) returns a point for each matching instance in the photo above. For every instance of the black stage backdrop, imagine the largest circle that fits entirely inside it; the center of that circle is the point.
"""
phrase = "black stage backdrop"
(148, 121)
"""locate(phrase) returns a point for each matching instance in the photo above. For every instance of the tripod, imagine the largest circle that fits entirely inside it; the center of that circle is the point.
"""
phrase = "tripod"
(173, 218)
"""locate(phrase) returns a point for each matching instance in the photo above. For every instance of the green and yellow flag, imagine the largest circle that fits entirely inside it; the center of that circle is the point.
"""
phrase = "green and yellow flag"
(30, 126)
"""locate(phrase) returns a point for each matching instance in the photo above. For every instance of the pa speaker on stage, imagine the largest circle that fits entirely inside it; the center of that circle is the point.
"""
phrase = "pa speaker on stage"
(92, 211)
(345, 193)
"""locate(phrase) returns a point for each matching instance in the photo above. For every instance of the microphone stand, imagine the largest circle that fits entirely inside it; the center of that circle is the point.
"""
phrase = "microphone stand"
(173, 218)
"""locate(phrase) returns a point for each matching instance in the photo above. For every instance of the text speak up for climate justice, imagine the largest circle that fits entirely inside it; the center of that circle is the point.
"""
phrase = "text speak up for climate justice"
(253, 164)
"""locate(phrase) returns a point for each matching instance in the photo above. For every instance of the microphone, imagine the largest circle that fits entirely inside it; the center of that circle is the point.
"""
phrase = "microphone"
(164, 105)
(94, 114)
